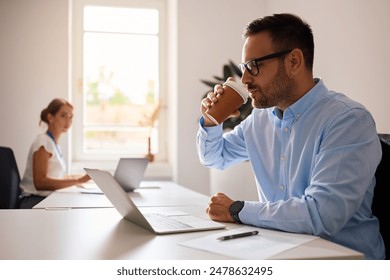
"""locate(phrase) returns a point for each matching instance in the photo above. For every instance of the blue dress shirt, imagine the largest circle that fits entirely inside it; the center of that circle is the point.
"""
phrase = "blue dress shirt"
(314, 166)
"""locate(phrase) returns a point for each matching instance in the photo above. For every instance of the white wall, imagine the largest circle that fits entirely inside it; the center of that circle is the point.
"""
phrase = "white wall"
(33, 68)
(352, 56)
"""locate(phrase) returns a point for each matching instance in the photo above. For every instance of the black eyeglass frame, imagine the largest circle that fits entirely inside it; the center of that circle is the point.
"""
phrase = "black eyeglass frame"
(255, 61)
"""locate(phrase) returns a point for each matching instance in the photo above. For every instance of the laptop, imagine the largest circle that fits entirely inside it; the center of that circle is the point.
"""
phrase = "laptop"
(157, 223)
(129, 173)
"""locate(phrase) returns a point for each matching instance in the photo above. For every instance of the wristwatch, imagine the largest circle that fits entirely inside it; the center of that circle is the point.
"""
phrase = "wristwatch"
(235, 208)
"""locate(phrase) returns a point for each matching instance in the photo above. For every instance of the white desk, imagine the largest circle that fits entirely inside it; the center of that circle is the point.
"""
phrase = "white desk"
(101, 233)
(162, 193)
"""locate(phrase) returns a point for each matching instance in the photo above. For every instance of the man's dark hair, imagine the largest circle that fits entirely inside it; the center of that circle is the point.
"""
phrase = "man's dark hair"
(287, 31)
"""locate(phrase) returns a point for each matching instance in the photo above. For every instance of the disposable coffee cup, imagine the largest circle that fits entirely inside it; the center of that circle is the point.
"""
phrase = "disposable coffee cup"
(234, 95)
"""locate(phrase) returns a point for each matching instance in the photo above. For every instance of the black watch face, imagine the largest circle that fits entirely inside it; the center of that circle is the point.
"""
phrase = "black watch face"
(236, 207)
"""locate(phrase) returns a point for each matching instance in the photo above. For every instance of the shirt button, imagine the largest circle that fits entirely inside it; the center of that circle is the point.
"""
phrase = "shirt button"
(283, 158)
(281, 187)
(286, 129)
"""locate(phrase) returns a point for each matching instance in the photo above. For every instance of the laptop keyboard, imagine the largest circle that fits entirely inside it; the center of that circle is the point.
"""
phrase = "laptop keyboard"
(164, 222)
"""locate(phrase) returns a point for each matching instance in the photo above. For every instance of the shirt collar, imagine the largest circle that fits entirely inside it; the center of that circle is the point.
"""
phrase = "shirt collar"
(300, 106)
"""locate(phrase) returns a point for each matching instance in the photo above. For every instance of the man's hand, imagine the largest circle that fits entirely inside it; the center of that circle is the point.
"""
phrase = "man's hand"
(208, 101)
(218, 209)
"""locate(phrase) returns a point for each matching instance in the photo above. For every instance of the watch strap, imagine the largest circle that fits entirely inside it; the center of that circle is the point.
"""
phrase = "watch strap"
(235, 209)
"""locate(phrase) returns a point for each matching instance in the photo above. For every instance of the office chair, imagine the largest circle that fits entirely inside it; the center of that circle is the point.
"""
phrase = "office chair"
(9, 180)
(380, 202)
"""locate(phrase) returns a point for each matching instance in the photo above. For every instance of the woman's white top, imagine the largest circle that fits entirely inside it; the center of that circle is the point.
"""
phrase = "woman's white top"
(56, 166)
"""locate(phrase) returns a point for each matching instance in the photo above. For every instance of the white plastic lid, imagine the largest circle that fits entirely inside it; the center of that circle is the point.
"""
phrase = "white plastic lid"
(238, 87)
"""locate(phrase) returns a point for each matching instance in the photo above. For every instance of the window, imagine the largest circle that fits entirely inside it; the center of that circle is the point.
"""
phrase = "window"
(117, 79)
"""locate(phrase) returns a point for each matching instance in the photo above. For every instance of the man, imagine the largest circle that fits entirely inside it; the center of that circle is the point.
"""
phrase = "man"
(314, 152)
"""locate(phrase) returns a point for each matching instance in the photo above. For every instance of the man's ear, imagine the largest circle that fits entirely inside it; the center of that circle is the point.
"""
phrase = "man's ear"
(295, 61)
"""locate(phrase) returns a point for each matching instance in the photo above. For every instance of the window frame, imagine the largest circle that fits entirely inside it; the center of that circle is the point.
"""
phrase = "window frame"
(78, 158)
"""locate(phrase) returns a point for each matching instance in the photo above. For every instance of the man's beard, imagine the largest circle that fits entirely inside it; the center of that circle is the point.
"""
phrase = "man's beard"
(279, 91)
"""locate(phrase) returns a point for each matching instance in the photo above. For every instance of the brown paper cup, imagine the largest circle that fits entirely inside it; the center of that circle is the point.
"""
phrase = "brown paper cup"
(234, 95)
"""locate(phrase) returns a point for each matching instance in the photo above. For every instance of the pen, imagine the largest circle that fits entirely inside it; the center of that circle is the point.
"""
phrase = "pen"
(238, 235)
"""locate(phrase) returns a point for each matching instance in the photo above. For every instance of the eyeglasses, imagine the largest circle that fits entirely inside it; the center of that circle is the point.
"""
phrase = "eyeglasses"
(252, 65)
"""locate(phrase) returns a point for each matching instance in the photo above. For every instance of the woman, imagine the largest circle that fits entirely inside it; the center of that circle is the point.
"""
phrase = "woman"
(46, 168)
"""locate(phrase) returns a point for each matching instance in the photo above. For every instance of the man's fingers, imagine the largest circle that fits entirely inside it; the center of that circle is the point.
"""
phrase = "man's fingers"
(205, 103)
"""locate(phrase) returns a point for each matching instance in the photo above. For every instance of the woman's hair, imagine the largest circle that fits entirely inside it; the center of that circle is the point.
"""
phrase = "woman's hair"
(53, 107)
(287, 31)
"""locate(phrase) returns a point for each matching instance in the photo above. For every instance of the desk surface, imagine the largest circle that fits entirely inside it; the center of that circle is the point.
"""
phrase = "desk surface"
(71, 225)
(101, 234)
(151, 193)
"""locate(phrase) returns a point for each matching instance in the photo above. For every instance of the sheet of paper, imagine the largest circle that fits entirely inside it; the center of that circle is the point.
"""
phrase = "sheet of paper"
(262, 246)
